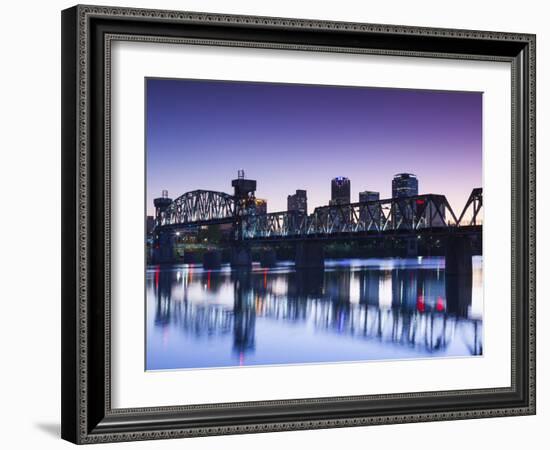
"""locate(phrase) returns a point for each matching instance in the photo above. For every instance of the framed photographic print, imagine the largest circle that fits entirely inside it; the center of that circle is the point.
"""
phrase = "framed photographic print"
(281, 224)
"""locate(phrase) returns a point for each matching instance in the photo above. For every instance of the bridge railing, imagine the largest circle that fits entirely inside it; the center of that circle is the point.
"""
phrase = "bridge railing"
(411, 213)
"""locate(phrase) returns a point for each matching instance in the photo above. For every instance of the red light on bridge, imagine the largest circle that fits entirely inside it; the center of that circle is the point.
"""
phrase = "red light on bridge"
(420, 202)
(440, 305)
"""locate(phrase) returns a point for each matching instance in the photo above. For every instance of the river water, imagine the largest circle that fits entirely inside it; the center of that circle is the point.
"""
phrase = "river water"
(353, 310)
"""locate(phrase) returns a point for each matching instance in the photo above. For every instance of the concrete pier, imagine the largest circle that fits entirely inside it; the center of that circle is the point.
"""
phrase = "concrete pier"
(268, 258)
(309, 255)
(411, 247)
(212, 260)
(163, 250)
(458, 274)
(190, 257)
(458, 255)
(241, 257)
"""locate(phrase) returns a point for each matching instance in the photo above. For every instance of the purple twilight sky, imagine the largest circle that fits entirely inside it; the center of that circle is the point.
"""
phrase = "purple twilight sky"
(291, 136)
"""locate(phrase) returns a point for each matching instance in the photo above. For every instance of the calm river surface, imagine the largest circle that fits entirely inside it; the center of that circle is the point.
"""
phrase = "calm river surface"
(353, 310)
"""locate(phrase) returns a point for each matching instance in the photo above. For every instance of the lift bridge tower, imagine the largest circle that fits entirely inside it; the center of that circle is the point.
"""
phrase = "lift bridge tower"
(163, 247)
(161, 205)
(244, 196)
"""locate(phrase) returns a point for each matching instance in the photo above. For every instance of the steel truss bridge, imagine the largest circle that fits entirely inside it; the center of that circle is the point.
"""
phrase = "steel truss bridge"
(408, 215)
(197, 208)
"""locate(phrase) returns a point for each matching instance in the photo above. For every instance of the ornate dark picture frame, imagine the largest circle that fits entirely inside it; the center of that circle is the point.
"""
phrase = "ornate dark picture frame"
(87, 33)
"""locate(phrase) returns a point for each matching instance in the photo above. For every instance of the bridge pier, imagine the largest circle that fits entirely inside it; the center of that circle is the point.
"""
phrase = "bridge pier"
(212, 260)
(190, 257)
(241, 257)
(268, 258)
(411, 247)
(458, 274)
(309, 255)
(163, 251)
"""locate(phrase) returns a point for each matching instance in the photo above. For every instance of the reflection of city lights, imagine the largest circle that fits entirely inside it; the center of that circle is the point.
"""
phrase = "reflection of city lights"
(420, 304)
(402, 302)
(385, 289)
(354, 289)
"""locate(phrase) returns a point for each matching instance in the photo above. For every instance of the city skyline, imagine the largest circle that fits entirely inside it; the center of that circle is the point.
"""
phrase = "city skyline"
(199, 133)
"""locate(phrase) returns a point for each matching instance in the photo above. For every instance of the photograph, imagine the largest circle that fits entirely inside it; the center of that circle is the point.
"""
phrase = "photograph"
(272, 222)
(295, 224)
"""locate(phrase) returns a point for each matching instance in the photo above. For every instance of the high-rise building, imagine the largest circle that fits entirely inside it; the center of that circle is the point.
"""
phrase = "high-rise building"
(369, 196)
(297, 202)
(435, 211)
(340, 191)
(370, 214)
(404, 185)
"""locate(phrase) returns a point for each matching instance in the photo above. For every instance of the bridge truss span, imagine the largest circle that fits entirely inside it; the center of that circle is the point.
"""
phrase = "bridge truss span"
(408, 214)
(199, 206)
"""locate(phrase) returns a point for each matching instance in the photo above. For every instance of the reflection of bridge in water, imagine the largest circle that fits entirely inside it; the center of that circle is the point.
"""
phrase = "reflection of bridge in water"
(401, 307)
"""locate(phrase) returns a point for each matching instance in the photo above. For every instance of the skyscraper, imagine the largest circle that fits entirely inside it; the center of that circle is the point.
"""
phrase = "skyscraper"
(370, 215)
(340, 191)
(369, 196)
(435, 211)
(404, 185)
(297, 202)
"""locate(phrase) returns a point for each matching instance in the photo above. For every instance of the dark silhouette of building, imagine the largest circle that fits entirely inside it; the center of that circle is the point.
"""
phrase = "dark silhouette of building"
(150, 225)
(297, 202)
(340, 191)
